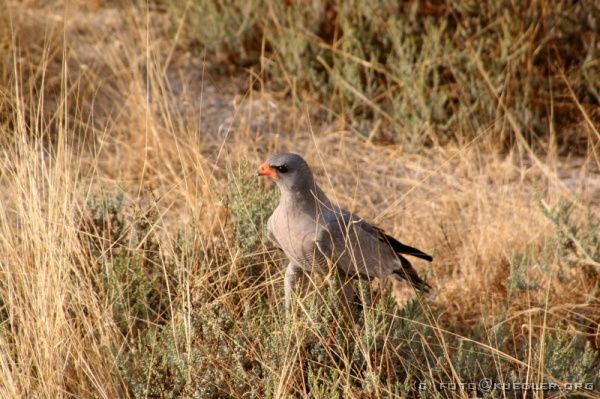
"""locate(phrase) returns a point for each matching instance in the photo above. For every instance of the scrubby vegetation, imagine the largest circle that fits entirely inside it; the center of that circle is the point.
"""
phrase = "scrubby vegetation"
(422, 72)
(133, 261)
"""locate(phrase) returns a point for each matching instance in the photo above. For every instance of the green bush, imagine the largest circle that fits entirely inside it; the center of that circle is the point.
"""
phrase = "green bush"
(413, 66)
(249, 206)
(125, 252)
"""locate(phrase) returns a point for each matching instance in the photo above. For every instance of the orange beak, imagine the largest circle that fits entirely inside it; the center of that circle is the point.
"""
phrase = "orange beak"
(266, 170)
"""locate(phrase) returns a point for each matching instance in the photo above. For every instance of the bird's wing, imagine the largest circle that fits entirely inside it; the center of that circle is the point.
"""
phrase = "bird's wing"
(354, 251)
(408, 273)
(398, 247)
(362, 250)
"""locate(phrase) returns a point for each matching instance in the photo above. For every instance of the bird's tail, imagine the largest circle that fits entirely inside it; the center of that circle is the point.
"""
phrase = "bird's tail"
(408, 273)
(400, 248)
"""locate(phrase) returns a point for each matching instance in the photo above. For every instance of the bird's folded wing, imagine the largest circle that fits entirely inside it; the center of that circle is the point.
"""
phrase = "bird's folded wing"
(354, 251)
(324, 242)
(396, 245)
(361, 249)
(333, 233)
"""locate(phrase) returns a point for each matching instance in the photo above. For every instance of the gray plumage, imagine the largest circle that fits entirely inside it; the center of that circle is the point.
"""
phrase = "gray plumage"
(315, 234)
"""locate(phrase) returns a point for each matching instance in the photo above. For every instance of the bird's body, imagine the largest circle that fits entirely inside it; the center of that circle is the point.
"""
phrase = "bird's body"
(294, 228)
(317, 235)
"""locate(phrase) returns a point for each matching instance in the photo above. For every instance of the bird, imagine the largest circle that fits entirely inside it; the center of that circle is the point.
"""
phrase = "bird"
(317, 235)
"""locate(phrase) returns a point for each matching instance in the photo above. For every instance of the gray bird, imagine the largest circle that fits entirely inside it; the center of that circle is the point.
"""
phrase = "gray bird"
(316, 234)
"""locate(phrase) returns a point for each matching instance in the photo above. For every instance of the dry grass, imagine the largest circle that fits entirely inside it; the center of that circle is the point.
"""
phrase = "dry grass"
(131, 253)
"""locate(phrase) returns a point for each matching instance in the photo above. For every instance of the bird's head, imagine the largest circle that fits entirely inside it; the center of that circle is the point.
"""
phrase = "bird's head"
(288, 170)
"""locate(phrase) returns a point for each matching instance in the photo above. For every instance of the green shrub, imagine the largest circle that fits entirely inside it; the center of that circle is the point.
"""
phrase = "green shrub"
(571, 359)
(577, 244)
(125, 253)
(249, 206)
(419, 65)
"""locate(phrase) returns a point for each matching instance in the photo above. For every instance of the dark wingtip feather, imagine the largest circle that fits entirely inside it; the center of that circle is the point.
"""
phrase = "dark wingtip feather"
(396, 245)
(426, 257)
(404, 249)
(418, 283)
(409, 274)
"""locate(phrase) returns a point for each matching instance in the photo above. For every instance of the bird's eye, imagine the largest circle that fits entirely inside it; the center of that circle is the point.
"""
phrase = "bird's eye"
(282, 168)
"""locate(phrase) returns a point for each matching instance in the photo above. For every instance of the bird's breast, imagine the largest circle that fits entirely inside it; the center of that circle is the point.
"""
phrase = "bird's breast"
(296, 235)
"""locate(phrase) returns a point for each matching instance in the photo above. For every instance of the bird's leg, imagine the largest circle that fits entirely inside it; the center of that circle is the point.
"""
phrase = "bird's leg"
(293, 272)
(347, 297)
(346, 301)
